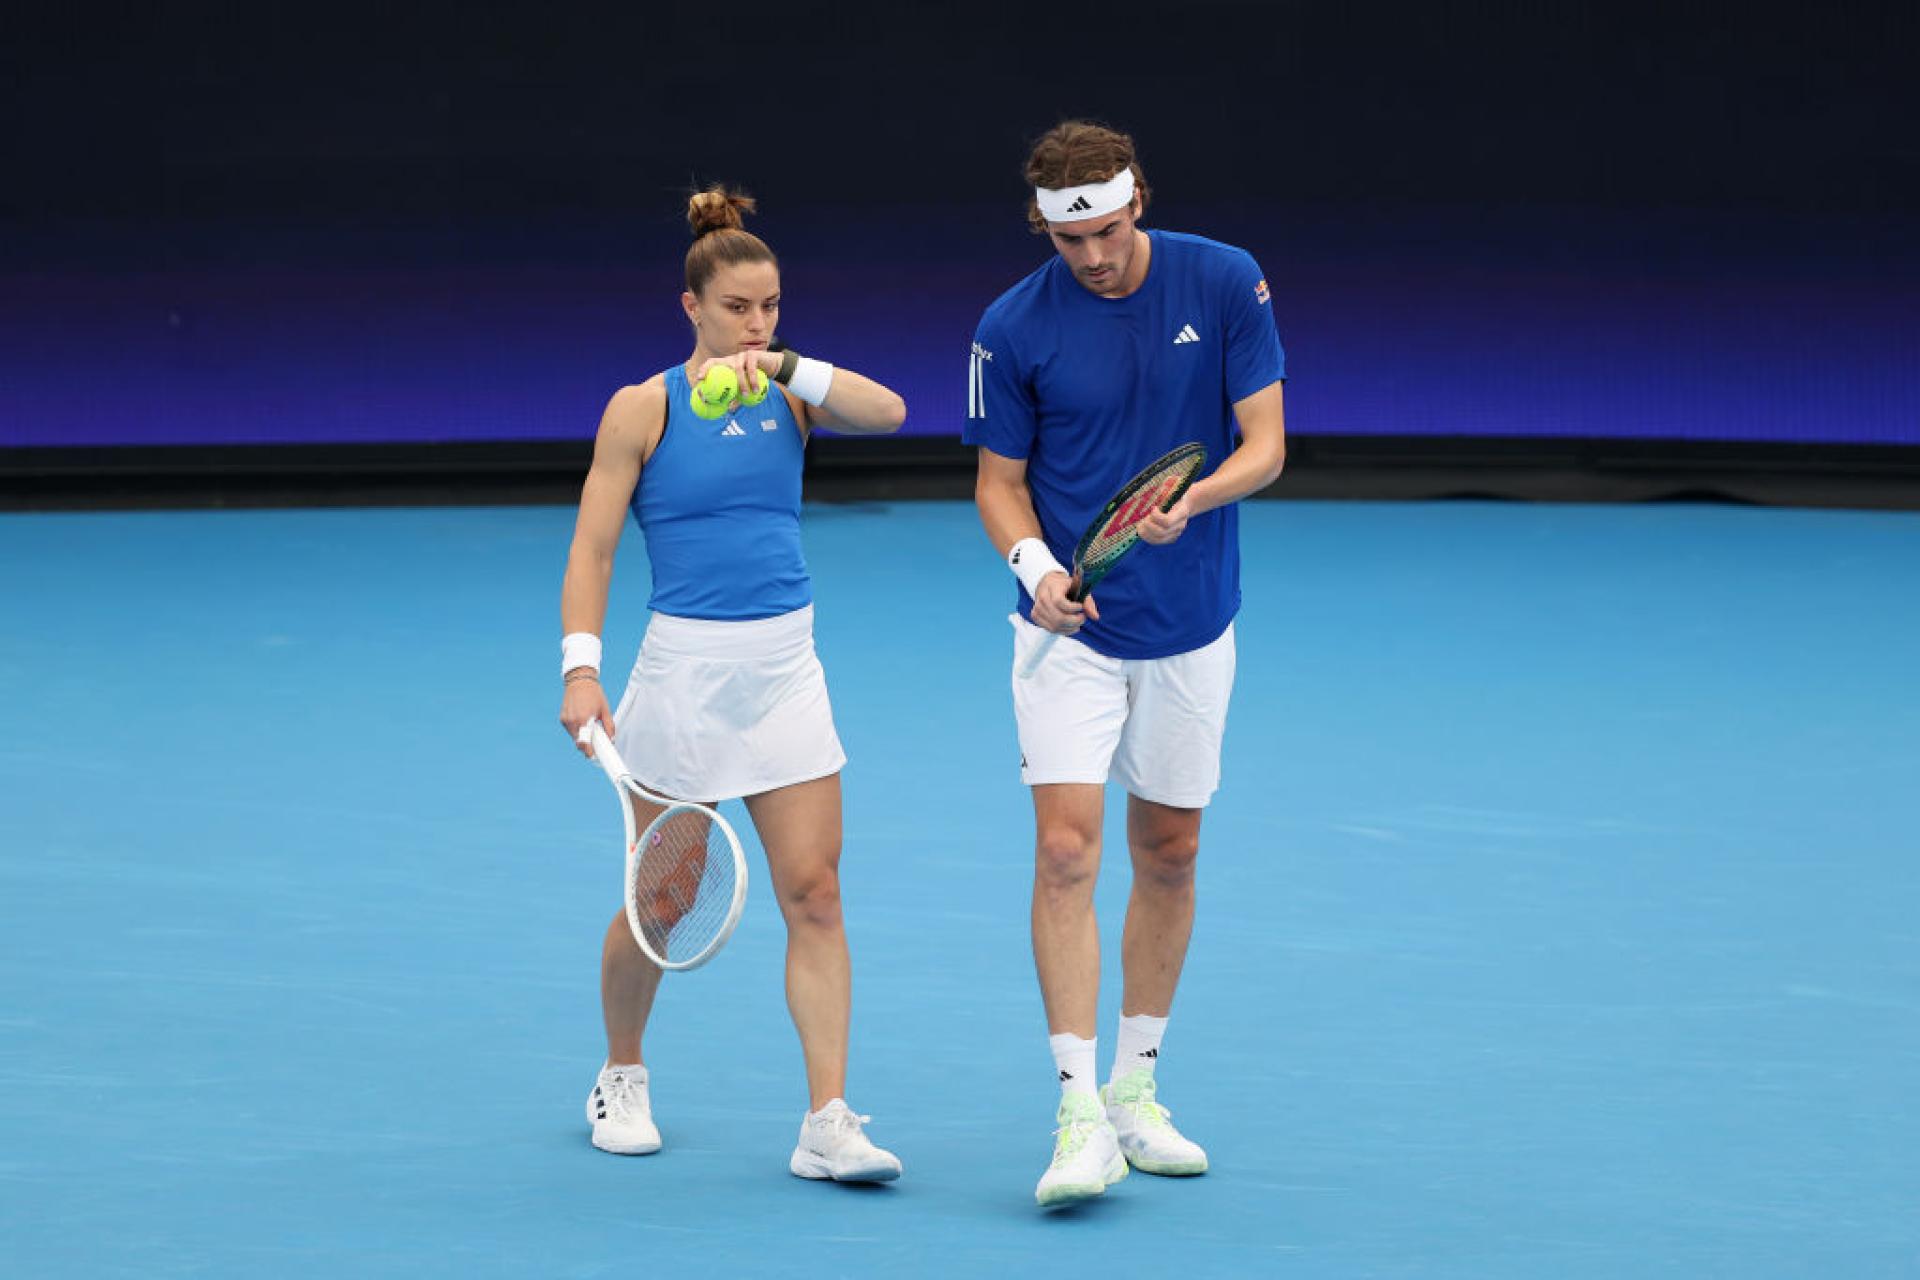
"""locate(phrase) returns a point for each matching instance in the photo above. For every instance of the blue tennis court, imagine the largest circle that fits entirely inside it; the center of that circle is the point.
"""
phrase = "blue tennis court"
(1557, 915)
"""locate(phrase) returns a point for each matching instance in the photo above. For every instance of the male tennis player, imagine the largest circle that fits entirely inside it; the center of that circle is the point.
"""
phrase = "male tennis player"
(1126, 344)
(727, 698)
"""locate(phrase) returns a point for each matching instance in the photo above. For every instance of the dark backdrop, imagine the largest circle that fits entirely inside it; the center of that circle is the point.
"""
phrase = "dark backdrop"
(454, 111)
(260, 224)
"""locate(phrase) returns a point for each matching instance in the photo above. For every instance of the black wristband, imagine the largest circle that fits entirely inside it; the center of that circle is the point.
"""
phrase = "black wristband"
(789, 361)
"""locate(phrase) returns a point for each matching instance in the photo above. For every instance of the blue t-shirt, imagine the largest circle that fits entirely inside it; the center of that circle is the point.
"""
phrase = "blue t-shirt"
(719, 503)
(1089, 390)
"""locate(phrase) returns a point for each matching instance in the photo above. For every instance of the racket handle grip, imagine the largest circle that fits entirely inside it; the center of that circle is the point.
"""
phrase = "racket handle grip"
(594, 737)
(1039, 654)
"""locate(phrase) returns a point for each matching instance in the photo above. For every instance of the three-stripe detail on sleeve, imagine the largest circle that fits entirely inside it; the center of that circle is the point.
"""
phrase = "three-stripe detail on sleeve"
(977, 382)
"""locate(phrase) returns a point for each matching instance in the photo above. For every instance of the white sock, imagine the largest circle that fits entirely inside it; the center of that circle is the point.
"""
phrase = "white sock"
(1073, 1058)
(1138, 1048)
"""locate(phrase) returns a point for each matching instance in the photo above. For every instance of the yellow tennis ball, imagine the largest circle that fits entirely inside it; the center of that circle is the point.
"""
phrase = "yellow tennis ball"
(756, 378)
(716, 392)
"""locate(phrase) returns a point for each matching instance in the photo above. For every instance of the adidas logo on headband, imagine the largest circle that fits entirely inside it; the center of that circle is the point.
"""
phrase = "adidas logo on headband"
(1087, 200)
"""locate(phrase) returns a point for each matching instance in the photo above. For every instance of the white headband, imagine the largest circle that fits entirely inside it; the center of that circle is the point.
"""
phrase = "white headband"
(1070, 204)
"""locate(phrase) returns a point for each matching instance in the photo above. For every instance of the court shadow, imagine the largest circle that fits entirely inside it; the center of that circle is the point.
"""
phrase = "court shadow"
(857, 1188)
(1078, 1211)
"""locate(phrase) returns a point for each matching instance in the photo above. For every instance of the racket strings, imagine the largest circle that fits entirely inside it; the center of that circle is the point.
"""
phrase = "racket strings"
(1115, 536)
(683, 883)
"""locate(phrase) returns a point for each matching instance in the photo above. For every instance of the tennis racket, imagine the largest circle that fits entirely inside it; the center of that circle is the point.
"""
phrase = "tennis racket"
(686, 877)
(1117, 527)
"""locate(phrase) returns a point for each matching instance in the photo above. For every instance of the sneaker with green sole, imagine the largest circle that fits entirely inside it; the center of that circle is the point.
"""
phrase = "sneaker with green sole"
(1146, 1136)
(1086, 1154)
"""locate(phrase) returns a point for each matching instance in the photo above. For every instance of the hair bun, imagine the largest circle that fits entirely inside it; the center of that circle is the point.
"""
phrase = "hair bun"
(717, 209)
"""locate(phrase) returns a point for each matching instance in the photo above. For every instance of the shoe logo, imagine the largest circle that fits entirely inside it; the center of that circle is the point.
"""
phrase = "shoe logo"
(1151, 1053)
(1066, 1075)
(1080, 205)
(733, 429)
(1185, 335)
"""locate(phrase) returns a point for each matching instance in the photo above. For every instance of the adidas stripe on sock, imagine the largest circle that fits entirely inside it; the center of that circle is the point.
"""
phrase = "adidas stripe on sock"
(1073, 1060)
(1138, 1047)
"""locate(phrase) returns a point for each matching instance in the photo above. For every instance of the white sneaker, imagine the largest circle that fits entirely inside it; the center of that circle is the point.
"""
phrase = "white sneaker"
(1086, 1154)
(1151, 1143)
(620, 1113)
(833, 1146)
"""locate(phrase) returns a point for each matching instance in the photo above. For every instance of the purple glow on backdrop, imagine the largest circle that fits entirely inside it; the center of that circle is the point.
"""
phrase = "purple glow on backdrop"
(1383, 339)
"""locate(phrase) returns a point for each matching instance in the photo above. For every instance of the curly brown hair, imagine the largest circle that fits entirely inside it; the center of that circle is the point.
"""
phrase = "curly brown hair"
(1075, 152)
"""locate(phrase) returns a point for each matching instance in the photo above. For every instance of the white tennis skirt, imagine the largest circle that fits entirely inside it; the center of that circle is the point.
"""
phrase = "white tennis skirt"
(718, 710)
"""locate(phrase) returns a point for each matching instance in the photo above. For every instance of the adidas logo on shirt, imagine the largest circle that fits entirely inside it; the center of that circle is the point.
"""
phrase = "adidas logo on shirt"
(1186, 334)
(1079, 205)
(733, 429)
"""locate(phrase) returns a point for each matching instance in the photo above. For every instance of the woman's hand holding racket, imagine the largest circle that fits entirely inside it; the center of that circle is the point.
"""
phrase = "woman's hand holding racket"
(584, 703)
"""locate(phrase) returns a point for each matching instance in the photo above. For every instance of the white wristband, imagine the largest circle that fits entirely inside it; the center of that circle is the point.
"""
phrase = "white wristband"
(1031, 561)
(579, 649)
(810, 380)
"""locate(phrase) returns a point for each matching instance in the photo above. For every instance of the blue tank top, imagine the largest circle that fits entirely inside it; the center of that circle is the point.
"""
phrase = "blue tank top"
(719, 504)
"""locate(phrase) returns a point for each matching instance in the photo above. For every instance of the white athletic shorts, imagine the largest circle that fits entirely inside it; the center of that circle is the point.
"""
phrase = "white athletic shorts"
(718, 710)
(1152, 724)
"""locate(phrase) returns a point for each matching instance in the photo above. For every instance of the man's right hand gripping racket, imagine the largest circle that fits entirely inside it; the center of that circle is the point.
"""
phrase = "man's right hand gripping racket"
(1117, 527)
(686, 877)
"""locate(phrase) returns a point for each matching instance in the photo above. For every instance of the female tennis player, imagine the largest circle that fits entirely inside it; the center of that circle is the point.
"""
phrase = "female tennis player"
(727, 698)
